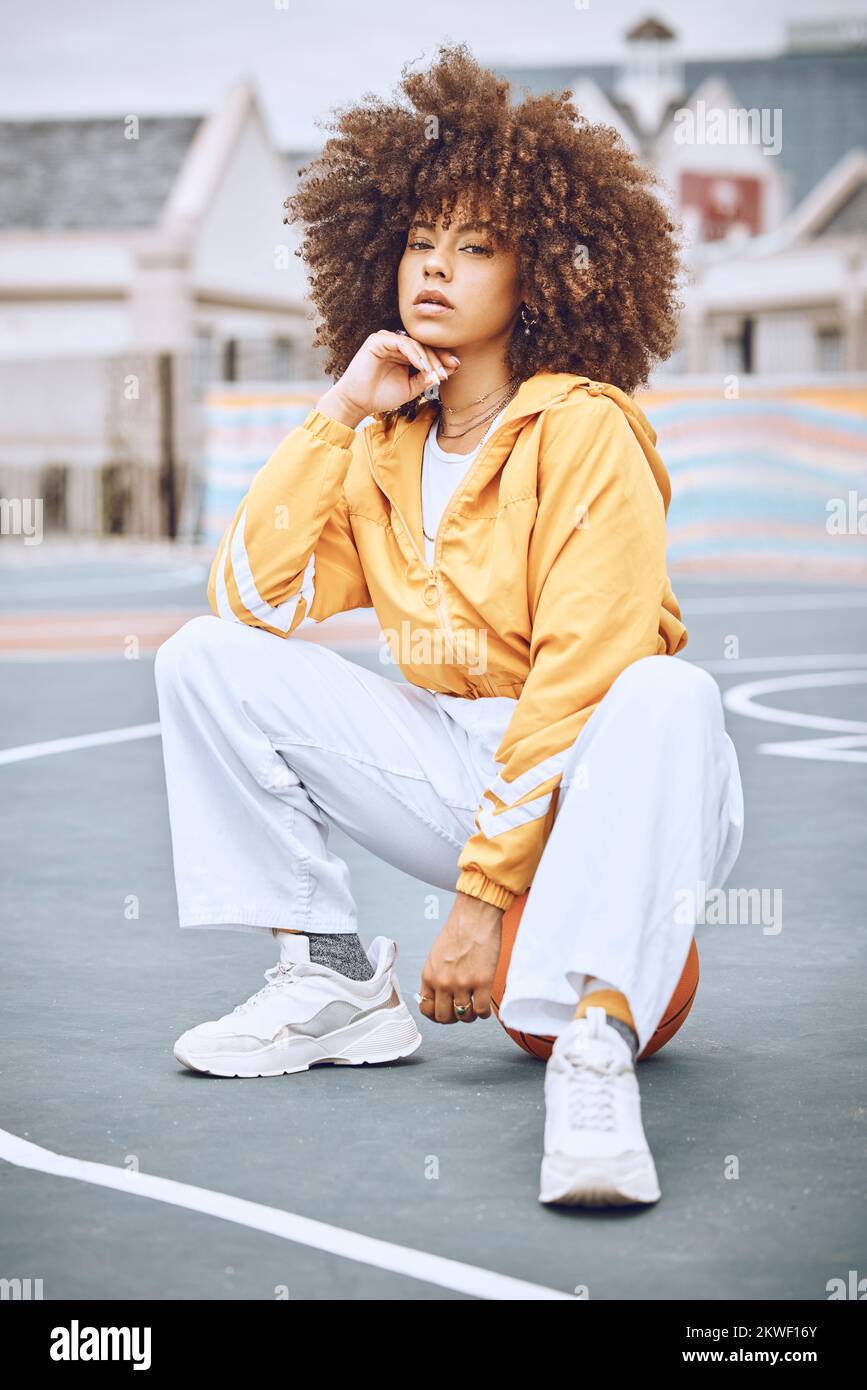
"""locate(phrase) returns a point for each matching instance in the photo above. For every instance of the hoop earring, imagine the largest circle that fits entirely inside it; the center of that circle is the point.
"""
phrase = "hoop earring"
(528, 323)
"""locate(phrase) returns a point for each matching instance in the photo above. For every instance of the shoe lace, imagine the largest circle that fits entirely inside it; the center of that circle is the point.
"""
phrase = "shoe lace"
(591, 1092)
(278, 976)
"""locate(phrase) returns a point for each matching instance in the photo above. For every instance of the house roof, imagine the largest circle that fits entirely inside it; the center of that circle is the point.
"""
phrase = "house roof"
(823, 98)
(650, 28)
(83, 174)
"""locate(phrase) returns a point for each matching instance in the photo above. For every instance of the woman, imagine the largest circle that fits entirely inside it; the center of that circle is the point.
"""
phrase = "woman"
(493, 281)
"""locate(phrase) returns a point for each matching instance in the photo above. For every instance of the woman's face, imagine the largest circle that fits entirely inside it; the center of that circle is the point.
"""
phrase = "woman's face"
(466, 266)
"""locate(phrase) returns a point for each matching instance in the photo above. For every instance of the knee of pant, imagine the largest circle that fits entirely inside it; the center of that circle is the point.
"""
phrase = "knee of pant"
(180, 655)
(667, 685)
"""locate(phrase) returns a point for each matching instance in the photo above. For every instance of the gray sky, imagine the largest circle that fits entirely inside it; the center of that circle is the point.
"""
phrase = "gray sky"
(105, 57)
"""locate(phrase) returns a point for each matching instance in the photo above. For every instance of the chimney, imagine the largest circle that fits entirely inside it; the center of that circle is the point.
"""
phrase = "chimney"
(650, 77)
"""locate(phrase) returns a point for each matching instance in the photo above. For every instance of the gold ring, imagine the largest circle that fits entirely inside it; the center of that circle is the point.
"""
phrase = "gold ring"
(461, 1009)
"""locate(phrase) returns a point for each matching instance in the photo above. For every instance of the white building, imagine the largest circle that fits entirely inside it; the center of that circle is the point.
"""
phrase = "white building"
(763, 161)
(139, 260)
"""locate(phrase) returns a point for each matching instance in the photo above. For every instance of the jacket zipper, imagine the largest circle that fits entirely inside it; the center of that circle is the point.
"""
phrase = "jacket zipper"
(432, 572)
(442, 612)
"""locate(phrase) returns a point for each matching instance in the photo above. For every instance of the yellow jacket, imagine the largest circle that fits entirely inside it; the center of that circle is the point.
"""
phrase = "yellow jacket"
(549, 576)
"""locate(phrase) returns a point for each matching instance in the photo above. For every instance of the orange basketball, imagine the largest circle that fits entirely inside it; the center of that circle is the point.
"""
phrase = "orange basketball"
(678, 1006)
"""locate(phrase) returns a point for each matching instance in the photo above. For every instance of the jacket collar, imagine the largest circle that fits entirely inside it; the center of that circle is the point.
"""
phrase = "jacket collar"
(397, 446)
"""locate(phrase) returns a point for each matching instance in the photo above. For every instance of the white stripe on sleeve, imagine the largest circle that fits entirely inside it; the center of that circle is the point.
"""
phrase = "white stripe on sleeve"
(283, 615)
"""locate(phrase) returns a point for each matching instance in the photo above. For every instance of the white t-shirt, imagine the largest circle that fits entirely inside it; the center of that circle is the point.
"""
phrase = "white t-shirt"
(441, 474)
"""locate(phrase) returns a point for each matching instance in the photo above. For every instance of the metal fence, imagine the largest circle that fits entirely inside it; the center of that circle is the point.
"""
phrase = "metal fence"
(112, 445)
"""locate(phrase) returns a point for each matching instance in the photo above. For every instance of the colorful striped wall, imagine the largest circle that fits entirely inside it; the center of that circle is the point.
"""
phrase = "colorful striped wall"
(752, 478)
(241, 430)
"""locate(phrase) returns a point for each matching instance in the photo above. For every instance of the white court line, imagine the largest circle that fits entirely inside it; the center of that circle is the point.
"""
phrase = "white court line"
(851, 733)
(102, 584)
(432, 1269)
(825, 750)
(25, 751)
(730, 666)
(740, 699)
(774, 603)
(770, 663)
(101, 625)
(319, 1235)
(416, 1264)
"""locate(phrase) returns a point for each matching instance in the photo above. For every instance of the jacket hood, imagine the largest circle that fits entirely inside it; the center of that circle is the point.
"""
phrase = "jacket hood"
(532, 397)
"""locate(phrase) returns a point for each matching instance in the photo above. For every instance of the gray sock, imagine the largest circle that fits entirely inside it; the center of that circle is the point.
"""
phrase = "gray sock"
(625, 1032)
(340, 951)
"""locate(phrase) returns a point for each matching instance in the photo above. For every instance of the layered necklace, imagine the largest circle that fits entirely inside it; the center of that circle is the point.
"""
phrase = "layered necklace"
(504, 393)
(508, 389)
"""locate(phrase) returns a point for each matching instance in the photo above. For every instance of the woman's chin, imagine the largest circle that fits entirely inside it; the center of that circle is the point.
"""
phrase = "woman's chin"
(431, 332)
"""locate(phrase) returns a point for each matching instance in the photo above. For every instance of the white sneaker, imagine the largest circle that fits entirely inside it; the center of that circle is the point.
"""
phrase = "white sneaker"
(304, 1015)
(596, 1154)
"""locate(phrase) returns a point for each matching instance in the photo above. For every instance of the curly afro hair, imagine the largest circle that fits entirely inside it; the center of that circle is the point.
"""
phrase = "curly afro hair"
(598, 253)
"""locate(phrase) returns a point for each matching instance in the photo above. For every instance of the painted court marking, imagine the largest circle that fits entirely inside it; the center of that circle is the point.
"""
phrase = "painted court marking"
(738, 698)
(319, 1235)
(25, 751)
(849, 744)
(850, 736)
(81, 587)
(775, 603)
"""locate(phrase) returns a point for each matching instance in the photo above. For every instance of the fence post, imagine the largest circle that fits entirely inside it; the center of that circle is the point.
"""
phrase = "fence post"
(168, 481)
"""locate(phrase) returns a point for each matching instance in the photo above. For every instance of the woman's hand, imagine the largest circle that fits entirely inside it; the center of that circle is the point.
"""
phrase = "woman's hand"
(388, 370)
(462, 963)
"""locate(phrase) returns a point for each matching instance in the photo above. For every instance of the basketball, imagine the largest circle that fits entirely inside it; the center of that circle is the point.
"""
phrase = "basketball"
(674, 1015)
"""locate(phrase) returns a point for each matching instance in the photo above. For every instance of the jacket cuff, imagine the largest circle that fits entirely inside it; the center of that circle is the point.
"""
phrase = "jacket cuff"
(328, 429)
(478, 885)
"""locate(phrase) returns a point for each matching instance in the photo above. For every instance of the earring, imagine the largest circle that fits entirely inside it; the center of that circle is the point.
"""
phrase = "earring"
(529, 323)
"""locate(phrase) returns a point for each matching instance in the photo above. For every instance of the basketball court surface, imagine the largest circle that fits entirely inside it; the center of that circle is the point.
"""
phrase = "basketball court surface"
(126, 1176)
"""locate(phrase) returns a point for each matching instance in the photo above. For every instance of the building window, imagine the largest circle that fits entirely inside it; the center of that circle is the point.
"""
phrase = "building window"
(264, 359)
(284, 359)
(732, 354)
(230, 360)
(737, 349)
(829, 350)
(203, 365)
(721, 202)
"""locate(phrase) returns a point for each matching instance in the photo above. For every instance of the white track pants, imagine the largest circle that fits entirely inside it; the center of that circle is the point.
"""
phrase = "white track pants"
(266, 741)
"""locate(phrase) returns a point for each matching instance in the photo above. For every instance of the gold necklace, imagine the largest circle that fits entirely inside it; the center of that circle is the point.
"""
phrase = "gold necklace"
(453, 409)
(480, 420)
(496, 410)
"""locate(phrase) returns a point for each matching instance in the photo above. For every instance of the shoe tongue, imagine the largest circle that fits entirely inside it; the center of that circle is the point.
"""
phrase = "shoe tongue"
(294, 948)
(587, 1033)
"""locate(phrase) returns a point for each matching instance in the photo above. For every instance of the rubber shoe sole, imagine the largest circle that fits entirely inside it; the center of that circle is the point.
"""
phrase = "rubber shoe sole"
(622, 1180)
(370, 1040)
